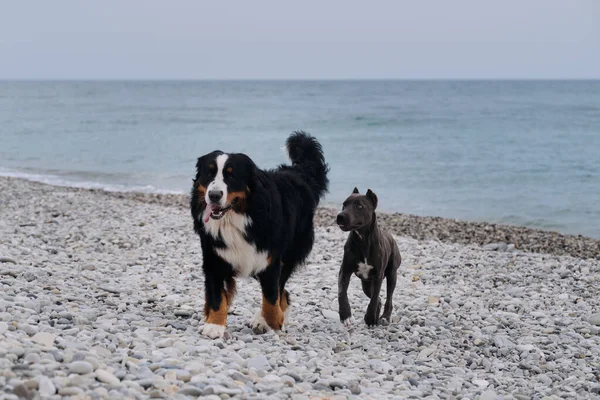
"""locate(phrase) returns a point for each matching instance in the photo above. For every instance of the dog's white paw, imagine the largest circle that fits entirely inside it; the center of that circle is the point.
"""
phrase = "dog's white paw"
(286, 315)
(213, 331)
(258, 323)
(348, 322)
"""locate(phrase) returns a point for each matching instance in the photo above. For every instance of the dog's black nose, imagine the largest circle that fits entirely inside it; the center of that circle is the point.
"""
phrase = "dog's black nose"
(215, 195)
(341, 219)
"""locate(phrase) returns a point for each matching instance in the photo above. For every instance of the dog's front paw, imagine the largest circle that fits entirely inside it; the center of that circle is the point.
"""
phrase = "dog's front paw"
(258, 324)
(213, 331)
(371, 319)
(348, 322)
(384, 321)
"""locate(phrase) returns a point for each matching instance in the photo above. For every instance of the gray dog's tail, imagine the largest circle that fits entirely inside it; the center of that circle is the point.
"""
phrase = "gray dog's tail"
(306, 154)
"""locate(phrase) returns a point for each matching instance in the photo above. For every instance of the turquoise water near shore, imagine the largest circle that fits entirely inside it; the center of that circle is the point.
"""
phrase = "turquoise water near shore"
(515, 152)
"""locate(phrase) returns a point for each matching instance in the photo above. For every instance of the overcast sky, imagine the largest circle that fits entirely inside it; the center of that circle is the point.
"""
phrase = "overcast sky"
(256, 39)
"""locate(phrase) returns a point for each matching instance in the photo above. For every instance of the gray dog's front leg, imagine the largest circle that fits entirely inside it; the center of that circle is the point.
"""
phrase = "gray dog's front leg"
(344, 304)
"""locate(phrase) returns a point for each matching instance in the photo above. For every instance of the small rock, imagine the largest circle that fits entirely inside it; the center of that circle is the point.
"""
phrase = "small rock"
(177, 325)
(17, 351)
(330, 315)
(23, 393)
(32, 358)
(259, 363)
(45, 339)
(46, 387)
(3, 328)
(287, 380)
(7, 260)
(491, 247)
(595, 319)
(70, 391)
(190, 390)
(81, 367)
(182, 312)
(106, 377)
(28, 329)
(502, 246)
(183, 375)
(165, 343)
(502, 341)
(433, 300)
(109, 290)
(488, 395)
(455, 384)
(218, 389)
(481, 383)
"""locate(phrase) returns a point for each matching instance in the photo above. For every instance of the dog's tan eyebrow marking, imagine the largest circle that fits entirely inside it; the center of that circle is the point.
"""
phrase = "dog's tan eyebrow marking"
(229, 170)
(212, 166)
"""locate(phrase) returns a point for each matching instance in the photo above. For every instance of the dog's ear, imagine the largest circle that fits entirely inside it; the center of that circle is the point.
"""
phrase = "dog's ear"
(373, 197)
(199, 162)
(355, 191)
(253, 176)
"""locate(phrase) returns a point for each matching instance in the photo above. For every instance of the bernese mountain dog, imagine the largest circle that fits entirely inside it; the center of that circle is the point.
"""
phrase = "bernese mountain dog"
(255, 223)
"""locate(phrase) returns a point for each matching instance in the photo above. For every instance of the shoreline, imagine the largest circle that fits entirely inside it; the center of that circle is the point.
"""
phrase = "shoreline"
(423, 228)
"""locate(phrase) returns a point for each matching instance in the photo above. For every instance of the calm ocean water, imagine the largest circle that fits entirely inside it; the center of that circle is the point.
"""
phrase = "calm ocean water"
(517, 152)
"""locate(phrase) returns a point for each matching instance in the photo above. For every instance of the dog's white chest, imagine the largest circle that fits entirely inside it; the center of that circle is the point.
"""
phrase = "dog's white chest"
(363, 270)
(243, 256)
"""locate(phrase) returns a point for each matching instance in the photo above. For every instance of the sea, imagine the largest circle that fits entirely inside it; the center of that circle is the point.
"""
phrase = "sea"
(512, 152)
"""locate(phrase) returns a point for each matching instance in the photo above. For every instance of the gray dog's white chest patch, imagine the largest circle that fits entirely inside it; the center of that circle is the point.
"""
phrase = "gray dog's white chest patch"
(363, 270)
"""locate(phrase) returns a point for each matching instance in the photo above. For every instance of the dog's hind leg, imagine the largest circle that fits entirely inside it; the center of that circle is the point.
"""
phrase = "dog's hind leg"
(390, 278)
(284, 295)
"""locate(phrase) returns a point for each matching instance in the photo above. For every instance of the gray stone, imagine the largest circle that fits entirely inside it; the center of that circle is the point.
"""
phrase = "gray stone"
(106, 377)
(491, 247)
(218, 389)
(32, 358)
(332, 315)
(502, 341)
(17, 351)
(45, 339)
(23, 392)
(488, 395)
(81, 367)
(259, 363)
(190, 390)
(70, 391)
(46, 387)
(355, 388)
(28, 329)
(595, 319)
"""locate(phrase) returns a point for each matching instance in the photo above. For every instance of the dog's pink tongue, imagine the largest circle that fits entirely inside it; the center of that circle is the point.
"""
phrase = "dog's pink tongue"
(207, 212)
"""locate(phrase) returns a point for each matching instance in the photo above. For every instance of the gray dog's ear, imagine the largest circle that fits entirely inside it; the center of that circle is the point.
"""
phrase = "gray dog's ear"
(355, 191)
(373, 197)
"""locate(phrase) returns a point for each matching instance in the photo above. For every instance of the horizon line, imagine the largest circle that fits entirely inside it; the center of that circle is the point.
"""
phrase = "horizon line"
(287, 79)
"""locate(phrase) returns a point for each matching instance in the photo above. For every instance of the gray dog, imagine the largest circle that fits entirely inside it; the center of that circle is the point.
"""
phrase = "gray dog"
(370, 253)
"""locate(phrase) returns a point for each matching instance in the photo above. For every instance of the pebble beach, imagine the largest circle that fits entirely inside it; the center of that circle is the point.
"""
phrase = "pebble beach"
(101, 296)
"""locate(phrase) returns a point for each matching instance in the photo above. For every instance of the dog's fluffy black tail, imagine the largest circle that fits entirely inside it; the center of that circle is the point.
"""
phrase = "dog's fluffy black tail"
(307, 155)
